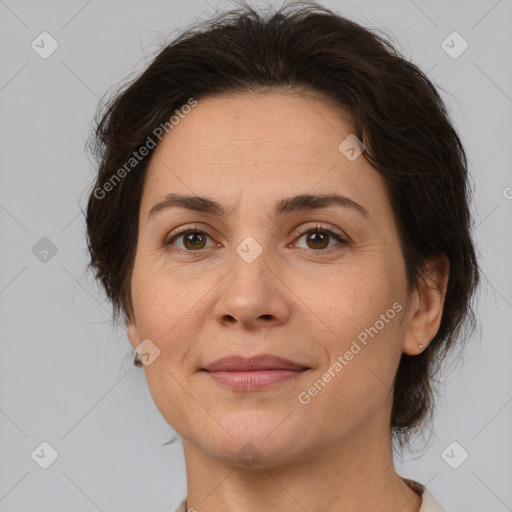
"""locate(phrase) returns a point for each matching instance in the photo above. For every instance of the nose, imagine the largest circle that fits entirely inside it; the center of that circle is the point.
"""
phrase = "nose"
(252, 295)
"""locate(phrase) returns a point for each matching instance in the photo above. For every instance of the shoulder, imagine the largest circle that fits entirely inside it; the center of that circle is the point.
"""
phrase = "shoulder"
(428, 501)
(182, 507)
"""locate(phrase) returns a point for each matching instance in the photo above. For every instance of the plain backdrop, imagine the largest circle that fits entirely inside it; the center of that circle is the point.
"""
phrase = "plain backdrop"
(66, 373)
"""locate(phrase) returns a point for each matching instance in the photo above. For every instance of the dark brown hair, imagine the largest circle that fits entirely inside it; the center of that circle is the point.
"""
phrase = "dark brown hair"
(396, 111)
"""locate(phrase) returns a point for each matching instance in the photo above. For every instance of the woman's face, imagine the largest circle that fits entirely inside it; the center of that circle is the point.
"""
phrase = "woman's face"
(261, 274)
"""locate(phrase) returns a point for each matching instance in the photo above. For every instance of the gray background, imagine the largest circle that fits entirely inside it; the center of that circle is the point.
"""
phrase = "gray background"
(66, 374)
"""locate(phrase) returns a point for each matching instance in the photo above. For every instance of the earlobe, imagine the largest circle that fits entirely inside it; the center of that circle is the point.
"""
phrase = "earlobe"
(426, 306)
(133, 335)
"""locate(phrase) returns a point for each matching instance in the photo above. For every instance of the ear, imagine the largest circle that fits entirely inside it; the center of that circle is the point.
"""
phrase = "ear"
(425, 308)
(132, 333)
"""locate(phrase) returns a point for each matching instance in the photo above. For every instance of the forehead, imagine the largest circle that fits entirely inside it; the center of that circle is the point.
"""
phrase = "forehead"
(277, 144)
(273, 122)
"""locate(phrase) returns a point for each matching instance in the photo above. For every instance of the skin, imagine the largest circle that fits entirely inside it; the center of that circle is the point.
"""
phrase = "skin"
(300, 300)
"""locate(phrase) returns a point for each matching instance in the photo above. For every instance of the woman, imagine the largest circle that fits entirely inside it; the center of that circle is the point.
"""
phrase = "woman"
(281, 216)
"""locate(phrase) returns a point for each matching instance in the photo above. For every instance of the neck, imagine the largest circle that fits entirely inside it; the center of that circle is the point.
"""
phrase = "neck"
(352, 474)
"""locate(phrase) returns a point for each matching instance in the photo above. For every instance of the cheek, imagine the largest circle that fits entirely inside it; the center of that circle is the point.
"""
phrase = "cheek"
(163, 301)
(353, 298)
(368, 323)
(166, 311)
(362, 347)
(356, 384)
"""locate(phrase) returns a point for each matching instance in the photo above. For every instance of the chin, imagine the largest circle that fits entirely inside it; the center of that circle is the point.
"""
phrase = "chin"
(255, 441)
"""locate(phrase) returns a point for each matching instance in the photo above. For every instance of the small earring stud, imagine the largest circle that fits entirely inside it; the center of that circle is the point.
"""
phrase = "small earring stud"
(421, 347)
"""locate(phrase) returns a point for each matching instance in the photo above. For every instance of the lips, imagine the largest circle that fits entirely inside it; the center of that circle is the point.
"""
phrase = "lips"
(254, 374)
(263, 362)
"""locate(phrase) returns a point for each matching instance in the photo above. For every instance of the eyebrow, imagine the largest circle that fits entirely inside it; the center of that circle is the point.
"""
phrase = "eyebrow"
(303, 202)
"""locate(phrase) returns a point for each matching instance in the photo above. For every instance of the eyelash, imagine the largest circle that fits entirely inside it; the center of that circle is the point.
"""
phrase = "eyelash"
(301, 231)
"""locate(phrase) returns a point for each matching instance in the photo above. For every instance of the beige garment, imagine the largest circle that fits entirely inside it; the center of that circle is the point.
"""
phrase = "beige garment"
(428, 502)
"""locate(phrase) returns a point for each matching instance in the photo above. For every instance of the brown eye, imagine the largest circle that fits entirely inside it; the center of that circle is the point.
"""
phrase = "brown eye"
(318, 238)
(193, 240)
